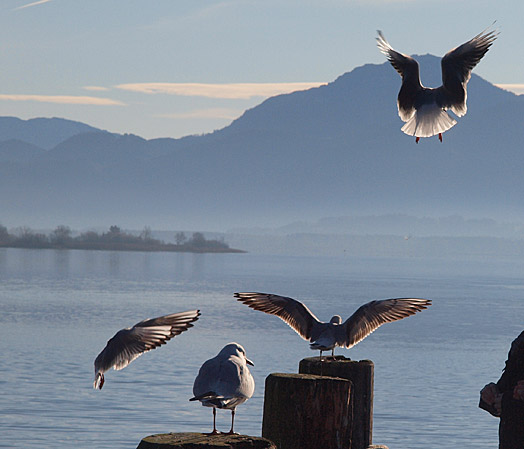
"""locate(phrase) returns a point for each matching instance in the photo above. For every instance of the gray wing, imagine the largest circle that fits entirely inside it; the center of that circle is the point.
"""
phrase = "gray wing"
(292, 312)
(205, 382)
(408, 69)
(223, 382)
(129, 343)
(457, 65)
(374, 314)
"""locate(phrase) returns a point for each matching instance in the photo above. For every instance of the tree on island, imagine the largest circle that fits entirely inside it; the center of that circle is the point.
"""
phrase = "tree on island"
(61, 236)
(4, 235)
(180, 238)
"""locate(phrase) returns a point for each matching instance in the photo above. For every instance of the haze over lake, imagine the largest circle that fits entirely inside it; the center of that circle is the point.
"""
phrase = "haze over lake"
(60, 307)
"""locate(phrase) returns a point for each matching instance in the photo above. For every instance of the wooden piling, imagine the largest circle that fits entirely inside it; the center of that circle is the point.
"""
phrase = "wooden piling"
(188, 440)
(361, 375)
(304, 411)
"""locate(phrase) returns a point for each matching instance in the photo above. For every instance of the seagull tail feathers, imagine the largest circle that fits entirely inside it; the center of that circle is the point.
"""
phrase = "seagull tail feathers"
(204, 396)
(429, 120)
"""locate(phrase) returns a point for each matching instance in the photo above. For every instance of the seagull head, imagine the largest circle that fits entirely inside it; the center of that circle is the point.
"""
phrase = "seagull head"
(337, 319)
(236, 349)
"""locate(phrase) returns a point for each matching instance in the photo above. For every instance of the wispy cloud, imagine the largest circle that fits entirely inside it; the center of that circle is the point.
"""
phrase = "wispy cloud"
(62, 99)
(95, 88)
(236, 91)
(515, 88)
(211, 113)
(40, 2)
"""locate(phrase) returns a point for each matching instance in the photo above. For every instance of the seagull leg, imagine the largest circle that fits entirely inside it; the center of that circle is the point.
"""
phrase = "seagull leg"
(417, 139)
(333, 352)
(440, 136)
(231, 432)
(215, 431)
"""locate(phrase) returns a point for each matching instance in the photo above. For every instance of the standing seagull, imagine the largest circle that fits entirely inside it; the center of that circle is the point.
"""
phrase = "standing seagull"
(424, 108)
(131, 342)
(326, 336)
(225, 382)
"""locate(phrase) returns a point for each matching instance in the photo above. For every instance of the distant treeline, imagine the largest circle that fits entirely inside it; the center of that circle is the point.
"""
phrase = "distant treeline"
(114, 240)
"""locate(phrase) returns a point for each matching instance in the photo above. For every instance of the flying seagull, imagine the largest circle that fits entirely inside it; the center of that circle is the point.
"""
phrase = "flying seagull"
(326, 336)
(224, 382)
(424, 108)
(131, 342)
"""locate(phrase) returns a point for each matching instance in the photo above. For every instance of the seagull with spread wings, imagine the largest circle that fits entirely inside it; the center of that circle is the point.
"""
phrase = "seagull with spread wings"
(129, 343)
(424, 108)
(326, 336)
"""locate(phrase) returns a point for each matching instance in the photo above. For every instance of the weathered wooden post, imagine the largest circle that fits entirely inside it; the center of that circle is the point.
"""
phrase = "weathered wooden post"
(361, 375)
(307, 411)
(203, 441)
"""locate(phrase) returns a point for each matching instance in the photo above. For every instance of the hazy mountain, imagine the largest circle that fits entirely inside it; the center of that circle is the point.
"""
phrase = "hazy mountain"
(14, 150)
(406, 226)
(42, 132)
(335, 150)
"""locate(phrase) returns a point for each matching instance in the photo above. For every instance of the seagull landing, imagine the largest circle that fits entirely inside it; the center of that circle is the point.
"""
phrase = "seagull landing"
(224, 382)
(424, 108)
(326, 336)
(130, 343)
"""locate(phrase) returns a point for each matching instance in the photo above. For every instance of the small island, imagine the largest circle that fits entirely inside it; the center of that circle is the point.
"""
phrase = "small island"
(113, 240)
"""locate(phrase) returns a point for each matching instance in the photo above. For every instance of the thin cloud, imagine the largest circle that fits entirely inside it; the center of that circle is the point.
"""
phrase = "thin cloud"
(515, 88)
(233, 91)
(96, 88)
(62, 99)
(29, 5)
(211, 113)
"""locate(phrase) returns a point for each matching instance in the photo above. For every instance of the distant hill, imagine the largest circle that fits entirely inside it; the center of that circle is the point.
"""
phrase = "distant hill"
(42, 132)
(335, 150)
(14, 150)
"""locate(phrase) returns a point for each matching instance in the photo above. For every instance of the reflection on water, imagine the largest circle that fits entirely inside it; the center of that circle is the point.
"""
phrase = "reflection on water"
(62, 259)
(60, 307)
(65, 263)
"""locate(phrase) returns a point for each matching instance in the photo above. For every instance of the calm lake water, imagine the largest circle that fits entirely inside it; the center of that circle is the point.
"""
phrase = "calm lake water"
(58, 309)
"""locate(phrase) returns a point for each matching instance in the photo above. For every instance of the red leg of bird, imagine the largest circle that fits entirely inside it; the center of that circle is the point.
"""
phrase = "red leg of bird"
(417, 139)
(440, 136)
(215, 431)
(231, 432)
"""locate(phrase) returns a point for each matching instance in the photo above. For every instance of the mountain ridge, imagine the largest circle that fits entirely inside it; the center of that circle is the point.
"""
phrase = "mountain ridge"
(333, 150)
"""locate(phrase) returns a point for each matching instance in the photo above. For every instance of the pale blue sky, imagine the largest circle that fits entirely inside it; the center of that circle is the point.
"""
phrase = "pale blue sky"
(157, 68)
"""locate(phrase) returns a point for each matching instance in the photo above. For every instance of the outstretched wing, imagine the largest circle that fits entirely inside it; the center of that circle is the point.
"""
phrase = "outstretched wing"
(374, 314)
(130, 343)
(293, 312)
(408, 69)
(457, 65)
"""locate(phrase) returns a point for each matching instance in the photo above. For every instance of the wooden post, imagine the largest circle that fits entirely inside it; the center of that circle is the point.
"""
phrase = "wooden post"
(202, 441)
(307, 412)
(361, 374)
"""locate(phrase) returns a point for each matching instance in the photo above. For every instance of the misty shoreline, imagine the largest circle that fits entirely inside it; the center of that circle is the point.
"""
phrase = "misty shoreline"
(113, 240)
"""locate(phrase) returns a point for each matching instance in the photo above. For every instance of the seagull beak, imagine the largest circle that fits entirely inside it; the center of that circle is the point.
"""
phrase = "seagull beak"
(249, 362)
